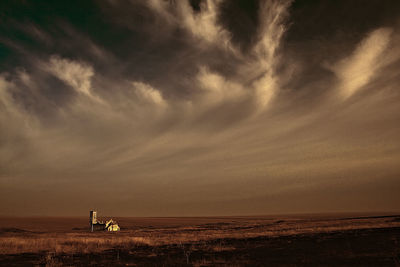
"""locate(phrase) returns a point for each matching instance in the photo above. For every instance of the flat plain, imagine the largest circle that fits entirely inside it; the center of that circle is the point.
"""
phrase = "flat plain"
(292, 240)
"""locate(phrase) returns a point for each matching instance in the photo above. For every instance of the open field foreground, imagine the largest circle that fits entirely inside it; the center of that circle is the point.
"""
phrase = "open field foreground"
(213, 241)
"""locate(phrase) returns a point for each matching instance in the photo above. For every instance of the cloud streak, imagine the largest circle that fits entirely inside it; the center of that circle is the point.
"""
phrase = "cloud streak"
(357, 70)
(75, 74)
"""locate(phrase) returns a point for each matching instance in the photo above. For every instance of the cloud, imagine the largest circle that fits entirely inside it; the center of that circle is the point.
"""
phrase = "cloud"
(148, 94)
(17, 126)
(272, 17)
(216, 89)
(355, 71)
(210, 41)
(76, 74)
(5, 97)
(202, 25)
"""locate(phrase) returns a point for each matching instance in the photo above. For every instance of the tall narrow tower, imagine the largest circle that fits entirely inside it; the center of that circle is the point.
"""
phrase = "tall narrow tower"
(92, 218)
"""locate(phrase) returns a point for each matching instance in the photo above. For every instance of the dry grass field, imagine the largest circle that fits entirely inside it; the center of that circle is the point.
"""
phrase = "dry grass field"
(334, 240)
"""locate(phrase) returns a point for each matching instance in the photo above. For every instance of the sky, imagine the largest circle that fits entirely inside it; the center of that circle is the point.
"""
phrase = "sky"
(200, 107)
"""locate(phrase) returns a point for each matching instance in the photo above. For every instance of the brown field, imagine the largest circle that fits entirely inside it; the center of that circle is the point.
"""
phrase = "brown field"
(327, 240)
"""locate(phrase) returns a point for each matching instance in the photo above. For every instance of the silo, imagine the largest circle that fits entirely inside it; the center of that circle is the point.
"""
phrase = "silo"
(92, 218)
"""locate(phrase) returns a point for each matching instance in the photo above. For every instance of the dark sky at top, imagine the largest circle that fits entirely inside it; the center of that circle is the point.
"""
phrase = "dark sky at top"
(169, 107)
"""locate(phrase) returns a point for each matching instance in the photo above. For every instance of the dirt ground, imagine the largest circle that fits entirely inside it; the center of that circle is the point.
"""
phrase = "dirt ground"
(307, 240)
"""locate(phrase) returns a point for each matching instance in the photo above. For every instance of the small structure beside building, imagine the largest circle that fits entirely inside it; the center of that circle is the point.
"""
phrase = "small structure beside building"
(96, 225)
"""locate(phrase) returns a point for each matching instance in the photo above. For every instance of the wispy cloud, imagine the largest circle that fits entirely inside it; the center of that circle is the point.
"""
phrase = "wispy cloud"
(149, 95)
(202, 25)
(78, 75)
(357, 70)
(272, 27)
